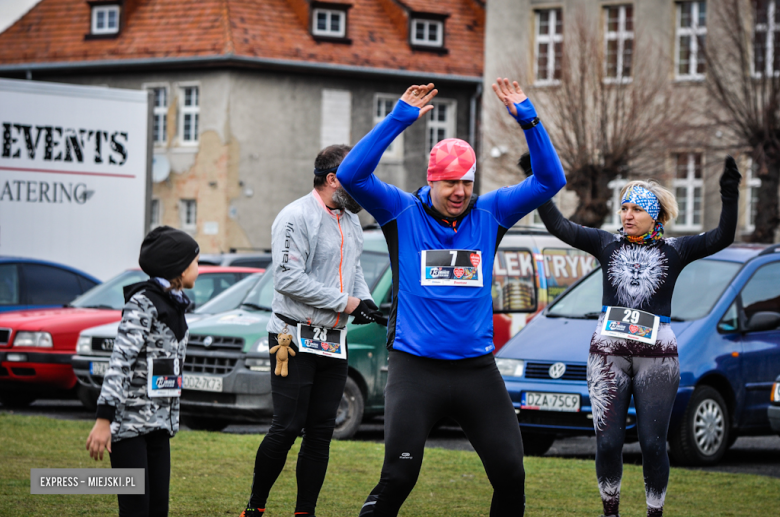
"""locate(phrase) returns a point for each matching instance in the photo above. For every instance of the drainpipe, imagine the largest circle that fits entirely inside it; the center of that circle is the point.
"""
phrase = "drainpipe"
(473, 115)
(473, 129)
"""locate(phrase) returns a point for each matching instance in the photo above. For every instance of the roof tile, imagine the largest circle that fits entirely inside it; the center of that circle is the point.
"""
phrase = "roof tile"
(54, 30)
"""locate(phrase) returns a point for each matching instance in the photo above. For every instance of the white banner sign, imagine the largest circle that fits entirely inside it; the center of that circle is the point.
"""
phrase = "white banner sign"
(73, 174)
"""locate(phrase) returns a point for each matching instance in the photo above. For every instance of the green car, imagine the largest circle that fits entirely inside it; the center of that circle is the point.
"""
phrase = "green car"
(227, 370)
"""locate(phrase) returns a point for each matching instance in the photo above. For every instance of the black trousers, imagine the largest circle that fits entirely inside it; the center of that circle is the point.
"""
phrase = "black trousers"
(306, 400)
(151, 452)
(422, 391)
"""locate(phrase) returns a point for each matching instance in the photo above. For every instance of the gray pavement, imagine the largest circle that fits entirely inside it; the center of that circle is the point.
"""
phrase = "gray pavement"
(749, 455)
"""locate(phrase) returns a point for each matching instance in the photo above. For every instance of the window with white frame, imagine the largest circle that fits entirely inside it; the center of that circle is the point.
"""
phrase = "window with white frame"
(383, 105)
(329, 22)
(766, 40)
(190, 113)
(691, 40)
(429, 33)
(105, 19)
(336, 118)
(160, 114)
(688, 189)
(619, 42)
(188, 214)
(154, 219)
(441, 122)
(753, 186)
(612, 220)
(549, 46)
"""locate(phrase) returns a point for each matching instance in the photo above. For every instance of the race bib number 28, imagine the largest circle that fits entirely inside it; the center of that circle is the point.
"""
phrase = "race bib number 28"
(451, 267)
(323, 341)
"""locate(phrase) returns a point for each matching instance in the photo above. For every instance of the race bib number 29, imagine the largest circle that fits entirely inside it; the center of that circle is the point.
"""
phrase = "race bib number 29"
(451, 267)
(625, 323)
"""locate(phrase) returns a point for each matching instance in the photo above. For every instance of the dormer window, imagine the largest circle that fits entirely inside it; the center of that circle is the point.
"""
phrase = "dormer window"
(105, 19)
(427, 33)
(330, 23)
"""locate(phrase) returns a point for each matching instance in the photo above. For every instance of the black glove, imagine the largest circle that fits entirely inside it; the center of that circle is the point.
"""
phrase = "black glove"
(729, 181)
(367, 312)
(525, 165)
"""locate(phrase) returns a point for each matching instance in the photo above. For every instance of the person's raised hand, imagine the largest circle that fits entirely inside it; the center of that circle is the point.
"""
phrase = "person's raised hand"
(419, 95)
(729, 180)
(509, 94)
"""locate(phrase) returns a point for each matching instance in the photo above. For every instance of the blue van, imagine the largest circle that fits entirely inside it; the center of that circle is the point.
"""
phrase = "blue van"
(726, 315)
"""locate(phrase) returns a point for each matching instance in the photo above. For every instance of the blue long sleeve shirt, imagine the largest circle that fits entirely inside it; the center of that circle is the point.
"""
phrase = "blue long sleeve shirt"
(442, 267)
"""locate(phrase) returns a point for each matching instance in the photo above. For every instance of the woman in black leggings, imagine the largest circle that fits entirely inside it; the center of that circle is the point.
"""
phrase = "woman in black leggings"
(634, 350)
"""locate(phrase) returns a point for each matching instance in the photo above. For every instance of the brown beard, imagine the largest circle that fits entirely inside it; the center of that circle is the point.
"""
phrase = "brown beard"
(345, 201)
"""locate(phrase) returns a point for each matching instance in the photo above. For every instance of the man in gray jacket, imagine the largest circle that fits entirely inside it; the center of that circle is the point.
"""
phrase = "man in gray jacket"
(317, 241)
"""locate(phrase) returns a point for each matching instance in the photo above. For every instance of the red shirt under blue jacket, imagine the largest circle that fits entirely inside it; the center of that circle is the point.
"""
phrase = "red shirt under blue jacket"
(442, 266)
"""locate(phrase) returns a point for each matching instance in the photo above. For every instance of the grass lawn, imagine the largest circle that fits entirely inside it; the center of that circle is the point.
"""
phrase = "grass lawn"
(212, 472)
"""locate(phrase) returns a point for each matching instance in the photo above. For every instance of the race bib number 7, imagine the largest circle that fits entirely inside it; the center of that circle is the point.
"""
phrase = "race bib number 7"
(461, 268)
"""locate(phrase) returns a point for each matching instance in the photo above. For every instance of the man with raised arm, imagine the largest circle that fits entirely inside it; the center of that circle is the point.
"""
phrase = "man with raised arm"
(442, 241)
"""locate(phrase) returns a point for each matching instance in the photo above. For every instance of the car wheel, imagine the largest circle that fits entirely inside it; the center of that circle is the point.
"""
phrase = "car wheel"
(703, 436)
(350, 411)
(88, 397)
(17, 400)
(201, 423)
(537, 444)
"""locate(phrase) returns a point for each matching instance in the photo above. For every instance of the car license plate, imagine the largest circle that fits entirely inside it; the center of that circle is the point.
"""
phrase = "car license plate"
(550, 401)
(98, 369)
(202, 383)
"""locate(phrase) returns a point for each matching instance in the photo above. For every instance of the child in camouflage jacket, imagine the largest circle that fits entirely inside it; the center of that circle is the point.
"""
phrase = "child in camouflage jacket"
(138, 408)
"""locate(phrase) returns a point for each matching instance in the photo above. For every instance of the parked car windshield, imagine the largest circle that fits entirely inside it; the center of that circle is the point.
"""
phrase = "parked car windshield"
(261, 295)
(231, 298)
(698, 288)
(374, 264)
(109, 295)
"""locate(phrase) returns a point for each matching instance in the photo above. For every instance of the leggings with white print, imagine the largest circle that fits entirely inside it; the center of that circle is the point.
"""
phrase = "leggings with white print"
(653, 382)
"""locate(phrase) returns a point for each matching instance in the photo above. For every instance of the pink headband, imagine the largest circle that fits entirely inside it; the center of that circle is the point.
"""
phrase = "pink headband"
(452, 159)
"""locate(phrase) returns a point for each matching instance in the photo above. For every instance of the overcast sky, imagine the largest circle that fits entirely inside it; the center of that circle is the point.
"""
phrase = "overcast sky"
(12, 10)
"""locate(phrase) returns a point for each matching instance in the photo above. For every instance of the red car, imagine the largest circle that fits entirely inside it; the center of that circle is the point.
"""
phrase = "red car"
(36, 345)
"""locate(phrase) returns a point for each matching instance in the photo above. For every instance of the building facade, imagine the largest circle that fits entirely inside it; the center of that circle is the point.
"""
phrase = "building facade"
(246, 93)
(525, 39)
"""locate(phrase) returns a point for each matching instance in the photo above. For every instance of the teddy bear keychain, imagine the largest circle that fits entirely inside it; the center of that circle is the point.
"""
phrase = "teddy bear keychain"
(283, 352)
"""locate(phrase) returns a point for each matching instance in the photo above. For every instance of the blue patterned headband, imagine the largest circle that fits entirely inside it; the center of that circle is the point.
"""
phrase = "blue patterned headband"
(644, 198)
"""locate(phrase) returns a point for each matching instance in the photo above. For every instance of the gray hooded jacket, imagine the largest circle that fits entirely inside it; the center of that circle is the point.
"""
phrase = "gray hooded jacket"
(316, 264)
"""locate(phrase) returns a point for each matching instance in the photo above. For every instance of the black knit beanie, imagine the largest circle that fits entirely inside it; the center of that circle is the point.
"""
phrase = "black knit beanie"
(167, 252)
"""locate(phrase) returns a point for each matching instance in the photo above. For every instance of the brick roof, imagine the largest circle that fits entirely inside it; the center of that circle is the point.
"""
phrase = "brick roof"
(54, 32)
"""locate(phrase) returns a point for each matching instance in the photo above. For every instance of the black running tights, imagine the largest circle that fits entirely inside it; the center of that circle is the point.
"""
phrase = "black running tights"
(151, 452)
(306, 400)
(422, 391)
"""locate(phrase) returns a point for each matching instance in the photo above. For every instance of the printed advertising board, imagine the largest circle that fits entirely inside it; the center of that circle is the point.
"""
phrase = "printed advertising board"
(74, 174)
